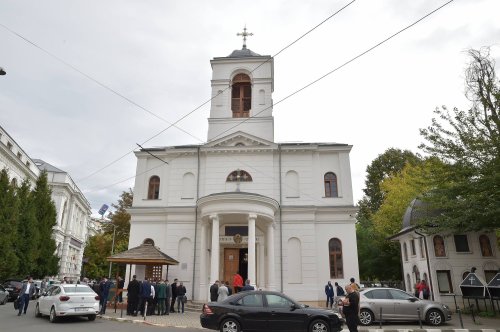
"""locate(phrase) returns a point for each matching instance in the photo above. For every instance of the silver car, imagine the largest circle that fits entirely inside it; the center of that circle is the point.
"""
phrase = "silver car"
(397, 305)
(68, 300)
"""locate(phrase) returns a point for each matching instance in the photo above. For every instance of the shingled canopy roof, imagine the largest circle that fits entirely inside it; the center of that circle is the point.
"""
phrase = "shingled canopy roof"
(145, 254)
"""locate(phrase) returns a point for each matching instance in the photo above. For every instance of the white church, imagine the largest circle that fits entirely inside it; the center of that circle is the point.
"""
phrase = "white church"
(280, 214)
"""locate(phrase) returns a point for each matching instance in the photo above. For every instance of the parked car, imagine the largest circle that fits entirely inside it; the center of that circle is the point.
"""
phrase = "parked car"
(13, 286)
(267, 311)
(4, 295)
(68, 300)
(398, 305)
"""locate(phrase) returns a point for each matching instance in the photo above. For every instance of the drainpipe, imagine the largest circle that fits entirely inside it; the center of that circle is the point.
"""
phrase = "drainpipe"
(196, 221)
(281, 223)
(428, 263)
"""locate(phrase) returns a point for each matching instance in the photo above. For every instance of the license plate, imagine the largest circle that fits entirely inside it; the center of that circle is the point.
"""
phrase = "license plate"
(81, 309)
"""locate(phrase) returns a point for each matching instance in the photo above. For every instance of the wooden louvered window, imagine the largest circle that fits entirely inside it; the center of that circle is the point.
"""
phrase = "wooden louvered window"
(241, 96)
(154, 187)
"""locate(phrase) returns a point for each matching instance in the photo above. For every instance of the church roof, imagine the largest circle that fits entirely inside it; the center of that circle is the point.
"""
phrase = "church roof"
(45, 166)
(243, 53)
(145, 254)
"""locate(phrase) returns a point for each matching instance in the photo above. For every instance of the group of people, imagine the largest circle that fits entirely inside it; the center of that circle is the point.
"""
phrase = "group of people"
(422, 290)
(220, 290)
(350, 303)
(155, 297)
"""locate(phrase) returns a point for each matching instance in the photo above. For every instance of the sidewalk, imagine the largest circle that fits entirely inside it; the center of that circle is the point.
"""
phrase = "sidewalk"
(192, 320)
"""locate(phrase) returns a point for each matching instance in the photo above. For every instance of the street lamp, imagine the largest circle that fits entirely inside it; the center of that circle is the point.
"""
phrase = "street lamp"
(2, 71)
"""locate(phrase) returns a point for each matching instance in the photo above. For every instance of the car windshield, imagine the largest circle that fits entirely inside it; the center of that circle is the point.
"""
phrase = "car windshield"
(77, 289)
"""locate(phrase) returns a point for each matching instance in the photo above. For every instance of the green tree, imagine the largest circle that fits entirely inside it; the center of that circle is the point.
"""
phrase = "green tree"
(8, 227)
(379, 258)
(467, 192)
(45, 212)
(28, 236)
(98, 247)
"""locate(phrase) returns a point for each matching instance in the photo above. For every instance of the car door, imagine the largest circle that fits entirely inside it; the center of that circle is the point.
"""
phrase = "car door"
(405, 305)
(283, 314)
(377, 299)
(250, 308)
(50, 299)
(44, 299)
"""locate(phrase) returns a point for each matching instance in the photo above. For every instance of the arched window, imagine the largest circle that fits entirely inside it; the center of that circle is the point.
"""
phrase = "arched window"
(154, 187)
(484, 242)
(241, 96)
(336, 266)
(331, 185)
(405, 252)
(439, 249)
(239, 175)
(416, 273)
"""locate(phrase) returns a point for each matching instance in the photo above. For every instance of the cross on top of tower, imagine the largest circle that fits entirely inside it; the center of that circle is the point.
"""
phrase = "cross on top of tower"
(244, 34)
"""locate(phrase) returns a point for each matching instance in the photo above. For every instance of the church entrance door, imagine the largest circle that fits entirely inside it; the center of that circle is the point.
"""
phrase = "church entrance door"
(235, 260)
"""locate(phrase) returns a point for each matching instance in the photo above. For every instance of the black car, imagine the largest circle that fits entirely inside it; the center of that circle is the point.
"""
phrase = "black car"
(13, 286)
(267, 311)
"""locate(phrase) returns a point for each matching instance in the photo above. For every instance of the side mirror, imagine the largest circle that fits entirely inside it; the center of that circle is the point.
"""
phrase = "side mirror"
(412, 299)
(293, 307)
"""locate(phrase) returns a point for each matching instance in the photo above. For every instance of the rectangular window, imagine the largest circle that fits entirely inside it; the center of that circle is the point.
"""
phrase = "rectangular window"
(233, 230)
(9, 145)
(413, 249)
(444, 281)
(461, 243)
(153, 272)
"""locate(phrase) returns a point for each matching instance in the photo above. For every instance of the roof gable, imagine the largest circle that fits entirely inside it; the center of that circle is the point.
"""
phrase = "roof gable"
(240, 137)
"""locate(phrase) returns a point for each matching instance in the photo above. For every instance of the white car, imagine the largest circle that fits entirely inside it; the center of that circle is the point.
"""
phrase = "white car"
(68, 300)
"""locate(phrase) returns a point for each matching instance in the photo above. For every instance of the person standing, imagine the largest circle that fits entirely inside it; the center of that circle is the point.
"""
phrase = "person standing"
(222, 292)
(181, 292)
(247, 286)
(340, 291)
(120, 284)
(104, 287)
(354, 285)
(133, 290)
(229, 288)
(161, 295)
(174, 295)
(26, 293)
(329, 294)
(351, 308)
(144, 295)
(214, 291)
(237, 282)
(168, 297)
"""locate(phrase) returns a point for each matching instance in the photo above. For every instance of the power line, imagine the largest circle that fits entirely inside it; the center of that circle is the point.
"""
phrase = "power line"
(325, 75)
(220, 92)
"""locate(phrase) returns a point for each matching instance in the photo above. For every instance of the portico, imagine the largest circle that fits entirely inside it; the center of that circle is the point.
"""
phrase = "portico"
(230, 223)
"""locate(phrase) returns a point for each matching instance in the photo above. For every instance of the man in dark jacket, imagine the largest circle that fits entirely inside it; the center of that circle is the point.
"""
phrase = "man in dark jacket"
(329, 294)
(181, 291)
(174, 295)
(214, 291)
(26, 293)
(144, 295)
(133, 296)
(104, 287)
(351, 308)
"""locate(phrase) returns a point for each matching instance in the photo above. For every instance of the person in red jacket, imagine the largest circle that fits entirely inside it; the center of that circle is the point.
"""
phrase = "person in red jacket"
(237, 282)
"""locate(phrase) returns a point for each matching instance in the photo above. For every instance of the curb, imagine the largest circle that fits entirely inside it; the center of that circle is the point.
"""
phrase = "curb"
(140, 321)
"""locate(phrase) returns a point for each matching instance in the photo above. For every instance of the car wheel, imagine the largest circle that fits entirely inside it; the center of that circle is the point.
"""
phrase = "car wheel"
(366, 317)
(37, 311)
(434, 317)
(230, 325)
(91, 317)
(53, 316)
(319, 325)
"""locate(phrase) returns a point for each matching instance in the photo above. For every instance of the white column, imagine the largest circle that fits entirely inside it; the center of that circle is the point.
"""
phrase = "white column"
(270, 257)
(214, 269)
(203, 262)
(251, 248)
(262, 269)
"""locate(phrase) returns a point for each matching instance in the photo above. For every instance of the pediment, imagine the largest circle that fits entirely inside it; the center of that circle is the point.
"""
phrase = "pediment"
(240, 139)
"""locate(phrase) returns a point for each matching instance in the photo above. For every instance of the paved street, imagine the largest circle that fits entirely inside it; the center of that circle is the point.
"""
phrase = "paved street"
(188, 322)
(9, 321)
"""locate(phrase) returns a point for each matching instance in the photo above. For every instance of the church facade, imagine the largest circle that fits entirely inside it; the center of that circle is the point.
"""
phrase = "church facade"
(280, 214)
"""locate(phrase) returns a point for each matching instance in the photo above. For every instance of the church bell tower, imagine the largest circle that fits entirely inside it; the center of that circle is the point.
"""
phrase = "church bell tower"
(242, 87)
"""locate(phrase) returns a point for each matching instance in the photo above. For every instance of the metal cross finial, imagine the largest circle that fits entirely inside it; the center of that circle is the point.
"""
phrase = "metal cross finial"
(244, 34)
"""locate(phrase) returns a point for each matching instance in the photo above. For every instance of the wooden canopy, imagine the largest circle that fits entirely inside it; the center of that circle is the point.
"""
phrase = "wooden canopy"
(145, 254)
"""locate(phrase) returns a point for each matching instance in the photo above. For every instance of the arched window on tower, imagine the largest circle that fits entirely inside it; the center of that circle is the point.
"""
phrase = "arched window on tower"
(335, 253)
(241, 96)
(331, 189)
(154, 187)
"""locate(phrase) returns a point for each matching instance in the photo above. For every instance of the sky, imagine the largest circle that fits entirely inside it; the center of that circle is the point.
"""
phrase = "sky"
(88, 79)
